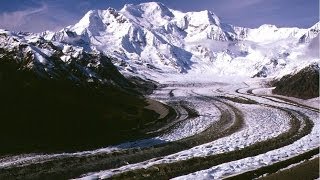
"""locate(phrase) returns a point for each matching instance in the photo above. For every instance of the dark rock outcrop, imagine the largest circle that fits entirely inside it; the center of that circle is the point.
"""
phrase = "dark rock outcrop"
(304, 84)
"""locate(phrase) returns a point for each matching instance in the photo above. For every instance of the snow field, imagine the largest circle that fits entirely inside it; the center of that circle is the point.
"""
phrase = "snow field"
(261, 123)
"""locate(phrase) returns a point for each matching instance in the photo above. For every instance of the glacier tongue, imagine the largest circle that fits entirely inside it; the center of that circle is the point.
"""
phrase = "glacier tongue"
(151, 39)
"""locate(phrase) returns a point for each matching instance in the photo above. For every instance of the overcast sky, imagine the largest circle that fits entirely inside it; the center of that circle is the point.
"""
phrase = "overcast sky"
(40, 15)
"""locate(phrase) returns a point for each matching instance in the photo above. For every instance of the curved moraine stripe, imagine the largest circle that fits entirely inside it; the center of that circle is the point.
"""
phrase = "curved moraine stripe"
(301, 125)
(214, 128)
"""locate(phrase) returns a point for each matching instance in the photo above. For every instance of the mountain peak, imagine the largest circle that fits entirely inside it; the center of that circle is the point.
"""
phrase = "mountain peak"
(152, 5)
(91, 21)
(311, 33)
(152, 37)
(147, 14)
(267, 26)
(211, 17)
(149, 10)
(316, 26)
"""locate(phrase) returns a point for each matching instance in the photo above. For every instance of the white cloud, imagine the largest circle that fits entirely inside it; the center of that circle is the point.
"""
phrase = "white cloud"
(12, 20)
(45, 17)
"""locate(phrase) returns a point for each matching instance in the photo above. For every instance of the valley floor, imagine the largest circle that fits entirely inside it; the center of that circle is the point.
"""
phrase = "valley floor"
(222, 129)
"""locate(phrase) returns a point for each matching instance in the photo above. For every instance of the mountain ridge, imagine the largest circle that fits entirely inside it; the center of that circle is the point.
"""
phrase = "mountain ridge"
(175, 42)
(151, 40)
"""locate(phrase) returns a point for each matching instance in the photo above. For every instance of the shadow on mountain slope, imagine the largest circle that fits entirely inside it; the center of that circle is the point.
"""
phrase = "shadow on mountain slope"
(47, 115)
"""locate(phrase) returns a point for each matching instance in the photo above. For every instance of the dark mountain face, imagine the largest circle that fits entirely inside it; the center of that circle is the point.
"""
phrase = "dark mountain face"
(304, 84)
(60, 107)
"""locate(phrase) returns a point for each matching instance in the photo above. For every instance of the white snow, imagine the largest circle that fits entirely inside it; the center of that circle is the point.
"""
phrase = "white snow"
(195, 54)
(234, 167)
(261, 123)
(189, 42)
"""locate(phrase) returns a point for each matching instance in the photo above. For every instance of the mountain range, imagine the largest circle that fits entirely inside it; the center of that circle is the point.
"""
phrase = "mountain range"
(76, 99)
(151, 40)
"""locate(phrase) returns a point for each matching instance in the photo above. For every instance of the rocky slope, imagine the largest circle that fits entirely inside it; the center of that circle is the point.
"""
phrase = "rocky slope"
(57, 97)
(53, 60)
(303, 84)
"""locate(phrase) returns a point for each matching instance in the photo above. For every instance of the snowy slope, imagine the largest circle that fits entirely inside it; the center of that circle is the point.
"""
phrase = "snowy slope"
(311, 33)
(55, 60)
(150, 38)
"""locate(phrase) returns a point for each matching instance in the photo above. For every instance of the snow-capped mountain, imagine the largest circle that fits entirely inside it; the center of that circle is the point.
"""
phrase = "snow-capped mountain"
(54, 60)
(149, 39)
(311, 33)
